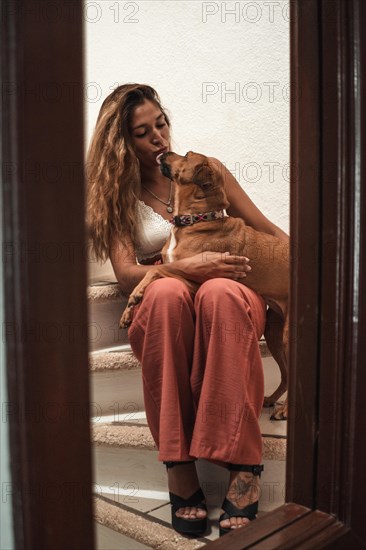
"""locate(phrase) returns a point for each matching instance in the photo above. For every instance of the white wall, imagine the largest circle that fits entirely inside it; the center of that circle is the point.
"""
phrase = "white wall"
(222, 72)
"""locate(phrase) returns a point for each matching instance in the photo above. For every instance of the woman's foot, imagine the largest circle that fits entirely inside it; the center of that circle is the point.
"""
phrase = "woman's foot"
(243, 491)
(183, 481)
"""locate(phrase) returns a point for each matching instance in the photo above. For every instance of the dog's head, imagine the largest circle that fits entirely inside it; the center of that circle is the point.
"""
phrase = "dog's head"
(197, 179)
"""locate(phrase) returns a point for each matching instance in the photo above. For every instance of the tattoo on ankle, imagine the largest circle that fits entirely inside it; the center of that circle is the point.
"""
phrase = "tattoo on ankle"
(243, 486)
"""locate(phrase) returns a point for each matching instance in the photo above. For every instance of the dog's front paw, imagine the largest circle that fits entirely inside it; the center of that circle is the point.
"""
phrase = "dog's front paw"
(280, 412)
(126, 318)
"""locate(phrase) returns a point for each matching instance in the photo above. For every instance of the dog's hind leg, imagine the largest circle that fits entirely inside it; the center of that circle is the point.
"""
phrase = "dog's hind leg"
(276, 337)
(281, 409)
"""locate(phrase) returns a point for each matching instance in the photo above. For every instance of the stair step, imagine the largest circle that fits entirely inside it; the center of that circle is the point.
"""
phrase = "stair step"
(105, 292)
(99, 273)
(133, 417)
(138, 481)
(111, 359)
(116, 385)
(106, 304)
(150, 532)
(117, 393)
(121, 357)
(130, 482)
(127, 469)
(108, 539)
(135, 437)
(139, 437)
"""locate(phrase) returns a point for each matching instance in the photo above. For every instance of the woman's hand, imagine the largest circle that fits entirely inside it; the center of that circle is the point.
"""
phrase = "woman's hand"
(208, 265)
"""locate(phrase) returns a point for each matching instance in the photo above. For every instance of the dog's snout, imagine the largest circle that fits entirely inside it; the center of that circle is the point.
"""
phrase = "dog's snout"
(165, 155)
(165, 168)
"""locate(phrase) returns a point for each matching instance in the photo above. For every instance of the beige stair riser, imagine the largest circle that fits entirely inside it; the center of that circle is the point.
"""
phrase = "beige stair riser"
(99, 271)
(119, 392)
(116, 393)
(136, 478)
(103, 325)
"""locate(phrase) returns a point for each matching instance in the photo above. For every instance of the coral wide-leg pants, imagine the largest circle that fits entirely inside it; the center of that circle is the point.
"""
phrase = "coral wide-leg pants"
(202, 370)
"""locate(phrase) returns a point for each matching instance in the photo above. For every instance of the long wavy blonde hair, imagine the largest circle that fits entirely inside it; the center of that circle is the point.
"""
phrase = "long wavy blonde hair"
(113, 170)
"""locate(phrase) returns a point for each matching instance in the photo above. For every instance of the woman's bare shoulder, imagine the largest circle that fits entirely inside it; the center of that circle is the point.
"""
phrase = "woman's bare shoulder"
(241, 205)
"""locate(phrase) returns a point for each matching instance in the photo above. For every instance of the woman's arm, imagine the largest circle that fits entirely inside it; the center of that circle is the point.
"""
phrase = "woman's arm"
(241, 206)
(199, 267)
(123, 260)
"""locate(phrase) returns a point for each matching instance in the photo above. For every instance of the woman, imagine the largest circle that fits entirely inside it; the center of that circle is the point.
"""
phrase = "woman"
(201, 365)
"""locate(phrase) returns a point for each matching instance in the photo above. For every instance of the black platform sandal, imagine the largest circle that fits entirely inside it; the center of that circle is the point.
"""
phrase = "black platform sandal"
(230, 511)
(197, 526)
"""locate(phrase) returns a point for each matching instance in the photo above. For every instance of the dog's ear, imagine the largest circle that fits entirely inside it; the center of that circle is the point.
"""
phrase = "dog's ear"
(203, 176)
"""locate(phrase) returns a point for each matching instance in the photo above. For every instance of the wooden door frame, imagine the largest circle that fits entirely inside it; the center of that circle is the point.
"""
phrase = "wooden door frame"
(45, 330)
(325, 485)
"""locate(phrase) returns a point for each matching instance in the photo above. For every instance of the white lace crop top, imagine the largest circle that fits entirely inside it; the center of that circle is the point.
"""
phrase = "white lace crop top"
(153, 232)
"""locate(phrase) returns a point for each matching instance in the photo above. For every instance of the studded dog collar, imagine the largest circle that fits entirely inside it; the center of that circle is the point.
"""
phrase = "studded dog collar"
(190, 219)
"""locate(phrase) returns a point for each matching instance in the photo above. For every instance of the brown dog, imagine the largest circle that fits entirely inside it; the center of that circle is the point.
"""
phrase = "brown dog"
(200, 197)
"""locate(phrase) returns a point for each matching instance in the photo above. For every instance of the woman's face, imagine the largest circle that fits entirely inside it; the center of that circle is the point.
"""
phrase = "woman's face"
(150, 133)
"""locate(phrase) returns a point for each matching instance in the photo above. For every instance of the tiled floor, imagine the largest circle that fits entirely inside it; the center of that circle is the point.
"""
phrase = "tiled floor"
(272, 496)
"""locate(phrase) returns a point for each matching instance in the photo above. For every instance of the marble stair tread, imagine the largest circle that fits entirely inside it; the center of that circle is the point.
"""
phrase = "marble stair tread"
(142, 502)
(136, 526)
(214, 512)
(130, 478)
(138, 479)
(213, 480)
(117, 419)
